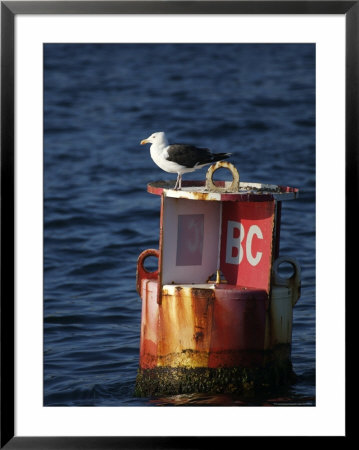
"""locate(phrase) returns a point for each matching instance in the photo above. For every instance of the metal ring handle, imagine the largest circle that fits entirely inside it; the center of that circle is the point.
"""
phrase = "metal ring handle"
(210, 186)
(293, 282)
(141, 271)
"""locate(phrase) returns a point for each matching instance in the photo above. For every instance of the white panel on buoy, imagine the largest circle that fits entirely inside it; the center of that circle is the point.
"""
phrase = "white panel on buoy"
(190, 240)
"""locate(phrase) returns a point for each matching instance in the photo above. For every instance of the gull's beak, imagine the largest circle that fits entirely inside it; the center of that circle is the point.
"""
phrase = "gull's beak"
(145, 141)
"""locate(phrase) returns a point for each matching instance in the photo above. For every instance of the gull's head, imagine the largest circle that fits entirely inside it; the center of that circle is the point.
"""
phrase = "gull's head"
(155, 138)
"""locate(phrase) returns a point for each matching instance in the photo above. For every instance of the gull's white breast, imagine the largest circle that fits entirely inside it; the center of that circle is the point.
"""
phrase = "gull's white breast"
(159, 156)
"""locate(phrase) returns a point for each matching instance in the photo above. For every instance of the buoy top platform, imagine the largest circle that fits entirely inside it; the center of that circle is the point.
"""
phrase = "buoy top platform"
(196, 190)
(234, 190)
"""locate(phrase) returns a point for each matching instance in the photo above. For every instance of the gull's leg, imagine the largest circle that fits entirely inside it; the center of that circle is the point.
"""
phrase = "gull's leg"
(180, 181)
(177, 181)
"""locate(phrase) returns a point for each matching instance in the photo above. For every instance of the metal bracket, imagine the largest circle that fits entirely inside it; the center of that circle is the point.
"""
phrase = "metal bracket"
(141, 271)
(210, 186)
(293, 282)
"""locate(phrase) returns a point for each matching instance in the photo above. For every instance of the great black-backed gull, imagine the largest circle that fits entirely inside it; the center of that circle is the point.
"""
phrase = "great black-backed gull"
(179, 158)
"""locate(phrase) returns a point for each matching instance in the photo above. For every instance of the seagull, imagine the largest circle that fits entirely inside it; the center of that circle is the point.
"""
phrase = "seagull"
(179, 158)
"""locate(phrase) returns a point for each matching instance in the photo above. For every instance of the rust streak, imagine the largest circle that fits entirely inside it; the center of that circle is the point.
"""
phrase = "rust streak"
(185, 327)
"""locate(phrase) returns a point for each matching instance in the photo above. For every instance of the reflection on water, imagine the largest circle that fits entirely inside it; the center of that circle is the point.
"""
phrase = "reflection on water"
(232, 400)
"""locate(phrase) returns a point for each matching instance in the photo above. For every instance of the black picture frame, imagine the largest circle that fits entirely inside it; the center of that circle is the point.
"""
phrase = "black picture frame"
(9, 9)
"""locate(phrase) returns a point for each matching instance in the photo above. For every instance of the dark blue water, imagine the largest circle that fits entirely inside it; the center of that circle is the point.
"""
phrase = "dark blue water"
(256, 101)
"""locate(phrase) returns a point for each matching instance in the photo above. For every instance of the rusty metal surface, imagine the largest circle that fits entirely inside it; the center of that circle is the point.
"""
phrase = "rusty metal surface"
(141, 272)
(185, 323)
(237, 337)
(149, 323)
(233, 187)
(213, 326)
(248, 191)
(219, 326)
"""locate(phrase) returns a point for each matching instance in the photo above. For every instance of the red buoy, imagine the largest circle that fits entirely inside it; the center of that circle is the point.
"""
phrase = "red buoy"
(207, 324)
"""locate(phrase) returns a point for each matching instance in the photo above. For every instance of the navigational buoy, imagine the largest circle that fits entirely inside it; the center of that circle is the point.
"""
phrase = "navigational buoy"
(216, 314)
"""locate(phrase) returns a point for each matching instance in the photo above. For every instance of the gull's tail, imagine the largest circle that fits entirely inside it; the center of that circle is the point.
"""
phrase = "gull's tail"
(220, 156)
